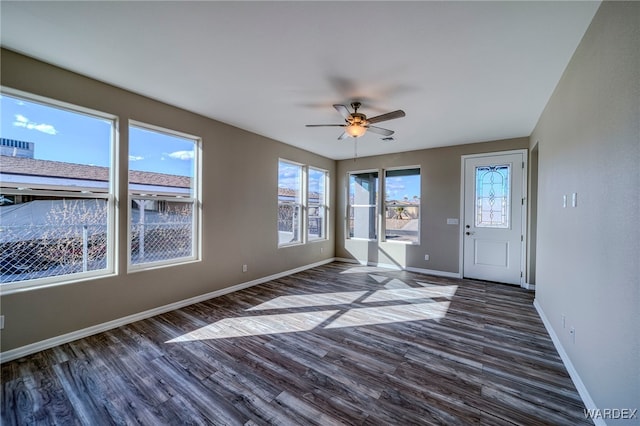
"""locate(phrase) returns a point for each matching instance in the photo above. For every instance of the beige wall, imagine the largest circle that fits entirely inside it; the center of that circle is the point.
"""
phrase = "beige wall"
(239, 169)
(588, 256)
(440, 186)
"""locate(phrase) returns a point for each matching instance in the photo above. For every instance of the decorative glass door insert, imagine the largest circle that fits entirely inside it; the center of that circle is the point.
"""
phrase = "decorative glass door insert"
(493, 196)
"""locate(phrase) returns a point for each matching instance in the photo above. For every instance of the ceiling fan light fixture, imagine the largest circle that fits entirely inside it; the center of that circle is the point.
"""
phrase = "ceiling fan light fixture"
(355, 130)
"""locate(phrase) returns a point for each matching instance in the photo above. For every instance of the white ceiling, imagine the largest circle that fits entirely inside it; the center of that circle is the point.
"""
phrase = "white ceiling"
(462, 71)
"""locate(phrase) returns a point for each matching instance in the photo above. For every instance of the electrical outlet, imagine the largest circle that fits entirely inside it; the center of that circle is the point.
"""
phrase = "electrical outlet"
(321, 249)
(572, 333)
(244, 268)
(564, 321)
(426, 257)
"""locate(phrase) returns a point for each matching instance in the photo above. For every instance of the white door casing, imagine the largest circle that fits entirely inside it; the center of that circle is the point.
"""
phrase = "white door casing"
(494, 214)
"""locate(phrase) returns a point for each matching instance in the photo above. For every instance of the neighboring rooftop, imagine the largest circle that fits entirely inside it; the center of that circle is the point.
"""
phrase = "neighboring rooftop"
(57, 169)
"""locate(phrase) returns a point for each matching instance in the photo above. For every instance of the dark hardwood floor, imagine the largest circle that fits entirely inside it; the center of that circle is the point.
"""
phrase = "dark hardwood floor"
(338, 344)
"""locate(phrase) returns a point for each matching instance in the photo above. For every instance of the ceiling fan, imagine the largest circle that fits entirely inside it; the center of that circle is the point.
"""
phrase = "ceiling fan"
(356, 124)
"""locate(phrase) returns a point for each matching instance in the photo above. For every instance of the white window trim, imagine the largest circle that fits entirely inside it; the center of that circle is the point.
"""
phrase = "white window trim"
(110, 196)
(195, 200)
(383, 233)
(324, 206)
(376, 205)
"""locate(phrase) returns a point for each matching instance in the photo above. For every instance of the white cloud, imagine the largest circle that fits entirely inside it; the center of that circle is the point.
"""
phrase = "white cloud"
(22, 121)
(135, 158)
(182, 155)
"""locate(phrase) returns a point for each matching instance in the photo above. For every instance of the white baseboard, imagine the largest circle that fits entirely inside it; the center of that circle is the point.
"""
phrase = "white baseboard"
(401, 268)
(99, 328)
(575, 377)
(528, 286)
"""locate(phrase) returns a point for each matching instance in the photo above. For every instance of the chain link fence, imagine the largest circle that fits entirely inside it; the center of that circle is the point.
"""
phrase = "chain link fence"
(152, 242)
(39, 251)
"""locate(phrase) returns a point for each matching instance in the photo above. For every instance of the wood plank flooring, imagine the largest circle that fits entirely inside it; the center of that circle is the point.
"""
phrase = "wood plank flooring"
(337, 344)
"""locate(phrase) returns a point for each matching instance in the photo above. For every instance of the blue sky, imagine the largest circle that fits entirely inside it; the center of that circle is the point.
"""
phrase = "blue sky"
(60, 135)
(399, 187)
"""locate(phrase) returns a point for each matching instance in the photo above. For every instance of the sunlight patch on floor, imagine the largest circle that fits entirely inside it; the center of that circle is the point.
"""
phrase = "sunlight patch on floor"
(307, 300)
(396, 283)
(390, 314)
(395, 295)
(412, 293)
(257, 326)
(366, 269)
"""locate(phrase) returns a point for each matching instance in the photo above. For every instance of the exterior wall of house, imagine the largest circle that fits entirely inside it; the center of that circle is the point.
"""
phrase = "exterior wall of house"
(239, 225)
(588, 140)
(440, 175)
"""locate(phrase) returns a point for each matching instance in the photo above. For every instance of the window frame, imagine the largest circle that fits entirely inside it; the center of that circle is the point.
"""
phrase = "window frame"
(324, 206)
(383, 233)
(376, 206)
(195, 199)
(302, 228)
(91, 193)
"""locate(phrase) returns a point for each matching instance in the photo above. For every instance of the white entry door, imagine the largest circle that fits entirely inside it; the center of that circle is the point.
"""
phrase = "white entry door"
(493, 211)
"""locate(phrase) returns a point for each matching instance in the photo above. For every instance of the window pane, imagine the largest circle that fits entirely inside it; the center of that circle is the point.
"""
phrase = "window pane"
(289, 220)
(363, 188)
(161, 163)
(289, 182)
(51, 237)
(49, 154)
(162, 196)
(363, 195)
(289, 203)
(317, 204)
(492, 196)
(402, 205)
(317, 222)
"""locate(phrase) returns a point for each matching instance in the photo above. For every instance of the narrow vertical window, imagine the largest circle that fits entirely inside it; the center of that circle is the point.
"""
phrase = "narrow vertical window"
(402, 205)
(362, 208)
(317, 205)
(290, 197)
(163, 196)
(56, 191)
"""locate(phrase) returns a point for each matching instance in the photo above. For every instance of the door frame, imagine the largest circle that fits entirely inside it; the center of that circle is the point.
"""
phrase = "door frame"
(523, 206)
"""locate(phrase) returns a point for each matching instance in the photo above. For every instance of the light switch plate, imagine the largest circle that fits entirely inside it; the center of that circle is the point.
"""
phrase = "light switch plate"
(453, 221)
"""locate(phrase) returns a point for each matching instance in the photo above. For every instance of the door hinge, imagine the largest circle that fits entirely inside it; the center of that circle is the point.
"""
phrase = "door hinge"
(521, 238)
(523, 164)
(521, 274)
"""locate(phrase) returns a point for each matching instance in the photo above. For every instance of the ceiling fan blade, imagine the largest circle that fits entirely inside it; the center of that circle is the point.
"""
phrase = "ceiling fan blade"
(380, 130)
(325, 125)
(388, 116)
(343, 110)
(344, 135)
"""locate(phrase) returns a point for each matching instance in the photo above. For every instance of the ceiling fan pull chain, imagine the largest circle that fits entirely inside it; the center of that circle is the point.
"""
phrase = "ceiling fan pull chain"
(355, 150)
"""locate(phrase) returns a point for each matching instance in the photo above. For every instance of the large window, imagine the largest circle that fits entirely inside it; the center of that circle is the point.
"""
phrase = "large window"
(362, 208)
(317, 205)
(56, 191)
(402, 205)
(163, 196)
(290, 207)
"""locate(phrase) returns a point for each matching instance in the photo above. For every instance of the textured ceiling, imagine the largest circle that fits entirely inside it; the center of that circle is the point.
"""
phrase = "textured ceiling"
(462, 71)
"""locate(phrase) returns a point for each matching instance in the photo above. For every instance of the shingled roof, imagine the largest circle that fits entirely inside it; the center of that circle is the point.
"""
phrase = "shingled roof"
(58, 169)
